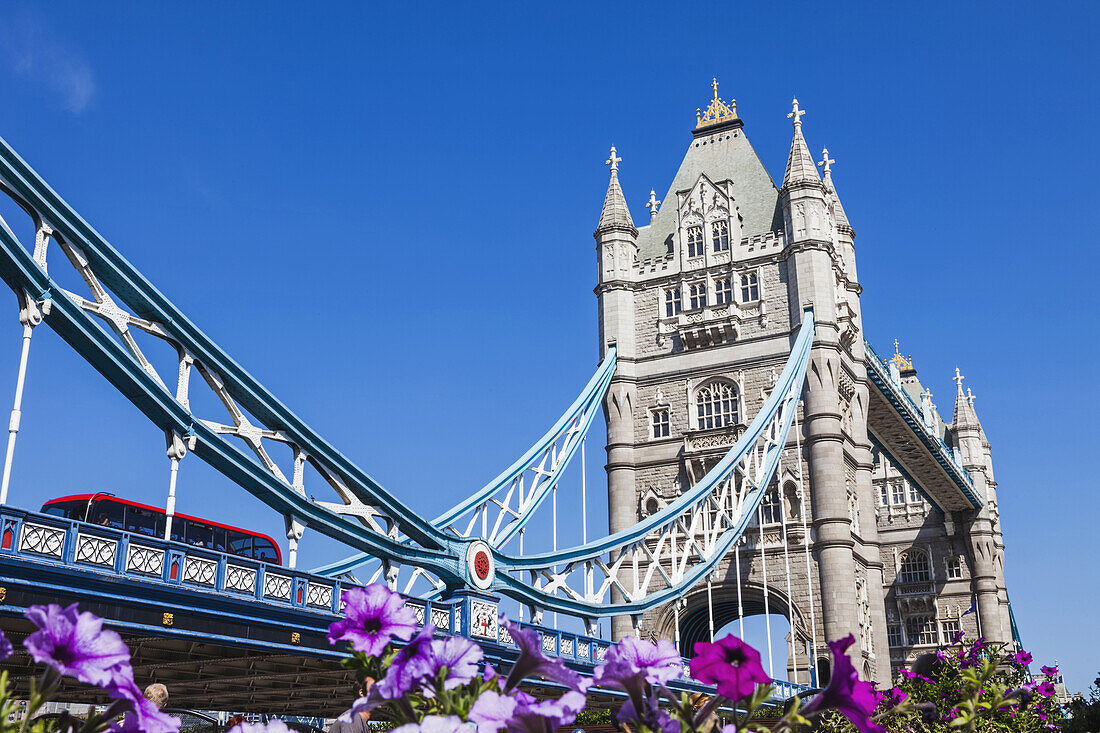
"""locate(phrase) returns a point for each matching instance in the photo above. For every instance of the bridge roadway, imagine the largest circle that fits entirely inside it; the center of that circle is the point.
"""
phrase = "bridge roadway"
(225, 632)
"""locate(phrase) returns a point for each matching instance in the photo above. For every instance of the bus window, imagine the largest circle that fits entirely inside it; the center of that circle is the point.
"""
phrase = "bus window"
(219, 539)
(106, 514)
(140, 521)
(263, 550)
(67, 509)
(179, 529)
(240, 544)
(200, 535)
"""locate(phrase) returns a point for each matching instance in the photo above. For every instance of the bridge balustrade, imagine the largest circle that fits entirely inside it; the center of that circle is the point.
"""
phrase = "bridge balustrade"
(34, 537)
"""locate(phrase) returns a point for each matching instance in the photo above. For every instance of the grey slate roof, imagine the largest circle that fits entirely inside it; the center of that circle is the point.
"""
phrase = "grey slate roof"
(720, 156)
(615, 211)
(838, 210)
(800, 164)
(964, 417)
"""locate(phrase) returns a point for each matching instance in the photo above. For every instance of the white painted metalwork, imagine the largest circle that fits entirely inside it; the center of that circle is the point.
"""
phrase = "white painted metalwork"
(145, 560)
(96, 550)
(803, 501)
(200, 571)
(42, 540)
(240, 578)
(319, 595)
(764, 570)
(277, 586)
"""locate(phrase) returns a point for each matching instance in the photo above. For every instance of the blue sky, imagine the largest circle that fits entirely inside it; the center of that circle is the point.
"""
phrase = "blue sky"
(385, 213)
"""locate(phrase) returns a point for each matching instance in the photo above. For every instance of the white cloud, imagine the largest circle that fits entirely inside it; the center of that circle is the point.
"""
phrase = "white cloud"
(42, 59)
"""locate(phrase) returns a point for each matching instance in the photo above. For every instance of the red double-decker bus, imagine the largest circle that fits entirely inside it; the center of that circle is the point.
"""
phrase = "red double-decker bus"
(130, 516)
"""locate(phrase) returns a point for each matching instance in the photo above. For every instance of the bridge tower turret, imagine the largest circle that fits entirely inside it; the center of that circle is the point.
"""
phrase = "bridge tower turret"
(819, 253)
(986, 540)
(616, 252)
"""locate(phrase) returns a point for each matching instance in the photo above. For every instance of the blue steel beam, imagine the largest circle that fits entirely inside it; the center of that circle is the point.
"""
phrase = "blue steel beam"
(584, 406)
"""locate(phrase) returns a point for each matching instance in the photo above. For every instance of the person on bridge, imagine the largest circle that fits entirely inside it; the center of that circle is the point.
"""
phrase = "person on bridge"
(157, 694)
(358, 722)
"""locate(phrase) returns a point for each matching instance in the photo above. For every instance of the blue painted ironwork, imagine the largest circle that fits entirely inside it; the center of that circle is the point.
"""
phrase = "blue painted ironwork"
(879, 374)
(371, 519)
(129, 569)
(573, 425)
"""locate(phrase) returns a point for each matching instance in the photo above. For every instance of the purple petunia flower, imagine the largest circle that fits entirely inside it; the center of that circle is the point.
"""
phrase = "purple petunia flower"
(653, 718)
(374, 616)
(731, 664)
(5, 646)
(532, 662)
(846, 693)
(271, 726)
(1049, 671)
(546, 716)
(1022, 658)
(144, 715)
(957, 637)
(632, 658)
(491, 711)
(437, 724)
(409, 666)
(1046, 689)
(458, 656)
(76, 645)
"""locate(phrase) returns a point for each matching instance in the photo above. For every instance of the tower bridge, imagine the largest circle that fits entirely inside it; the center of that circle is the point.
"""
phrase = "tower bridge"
(761, 458)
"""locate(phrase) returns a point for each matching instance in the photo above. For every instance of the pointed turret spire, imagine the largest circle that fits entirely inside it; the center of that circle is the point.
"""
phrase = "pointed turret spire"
(800, 164)
(826, 165)
(965, 418)
(615, 213)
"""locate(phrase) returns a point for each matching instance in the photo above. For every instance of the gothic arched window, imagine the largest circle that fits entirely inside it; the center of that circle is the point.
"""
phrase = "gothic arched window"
(723, 291)
(914, 567)
(750, 288)
(716, 405)
(771, 508)
(697, 295)
(695, 241)
(720, 235)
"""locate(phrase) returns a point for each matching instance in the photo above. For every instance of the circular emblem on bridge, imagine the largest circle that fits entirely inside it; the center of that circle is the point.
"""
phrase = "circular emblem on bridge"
(482, 567)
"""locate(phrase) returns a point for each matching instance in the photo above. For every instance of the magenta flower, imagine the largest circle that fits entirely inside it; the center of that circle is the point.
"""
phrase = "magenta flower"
(1022, 658)
(957, 637)
(409, 666)
(5, 647)
(532, 662)
(1046, 689)
(1049, 671)
(491, 711)
(846, 693)
(374, 616)
(76, 645)
(731, 664)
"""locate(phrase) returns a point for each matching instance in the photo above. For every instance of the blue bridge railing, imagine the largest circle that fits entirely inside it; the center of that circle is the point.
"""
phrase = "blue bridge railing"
(105, 551)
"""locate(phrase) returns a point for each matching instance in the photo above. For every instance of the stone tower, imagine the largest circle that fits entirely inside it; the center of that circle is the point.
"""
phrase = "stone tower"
(703, 303)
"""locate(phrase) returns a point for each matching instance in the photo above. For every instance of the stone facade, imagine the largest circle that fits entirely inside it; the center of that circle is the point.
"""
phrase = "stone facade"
(702, 304)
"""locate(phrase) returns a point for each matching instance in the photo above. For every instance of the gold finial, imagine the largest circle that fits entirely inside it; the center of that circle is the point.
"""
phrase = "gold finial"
(718, 111)
(904, 365)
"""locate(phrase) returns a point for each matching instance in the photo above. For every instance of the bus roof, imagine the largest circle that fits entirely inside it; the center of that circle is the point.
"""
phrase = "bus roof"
(158, 510)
